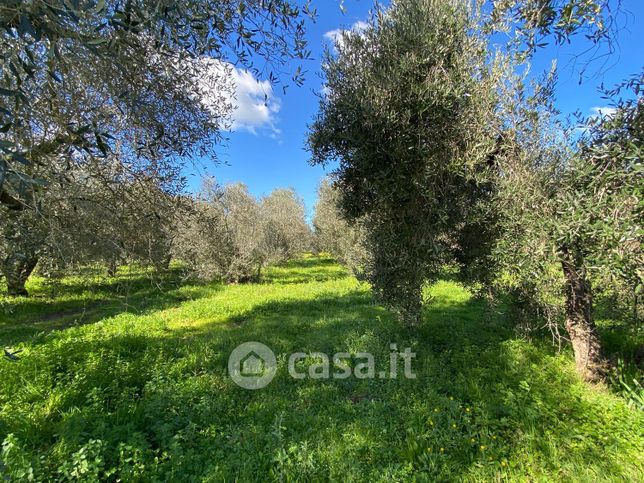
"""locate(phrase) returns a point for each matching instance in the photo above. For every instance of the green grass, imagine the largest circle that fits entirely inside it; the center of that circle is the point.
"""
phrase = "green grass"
(126, 379)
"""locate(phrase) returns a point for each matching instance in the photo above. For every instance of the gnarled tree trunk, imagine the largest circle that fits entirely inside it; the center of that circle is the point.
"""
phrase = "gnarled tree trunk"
(17, 268)
(24, 239)
(579, 321)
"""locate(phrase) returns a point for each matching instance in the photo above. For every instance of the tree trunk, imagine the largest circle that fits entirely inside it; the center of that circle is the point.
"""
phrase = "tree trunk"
(112, 268)
(166, 262)
(411, 313)
(17, 268)
(579, 322)
(25, 235)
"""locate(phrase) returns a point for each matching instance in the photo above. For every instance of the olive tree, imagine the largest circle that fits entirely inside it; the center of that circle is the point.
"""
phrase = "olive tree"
(407, 118)
(219, 237)
(203, 240)
(285, 231)
(231, 235)
(245, 227)
(567, 213)
(84, 80)
(20, 247)
(598, 221)
(72, 67)
(333, 233)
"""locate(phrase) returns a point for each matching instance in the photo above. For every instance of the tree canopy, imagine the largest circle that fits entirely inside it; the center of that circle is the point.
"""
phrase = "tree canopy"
(406, 118)
(84, 78)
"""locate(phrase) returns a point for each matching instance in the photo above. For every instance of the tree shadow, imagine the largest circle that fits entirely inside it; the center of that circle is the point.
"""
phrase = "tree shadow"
(305, 270)
(79, 300)
(620, 329)
(165, 391)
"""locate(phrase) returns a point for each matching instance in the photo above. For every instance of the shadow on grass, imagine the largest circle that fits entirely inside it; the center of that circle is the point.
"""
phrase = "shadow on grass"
(620, 329)
(91, 296)
(81, 300)
(165, 395)
(305, 270)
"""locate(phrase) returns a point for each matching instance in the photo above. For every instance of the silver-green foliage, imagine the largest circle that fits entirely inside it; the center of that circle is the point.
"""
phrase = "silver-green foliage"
(333, 233)
(406, 114)
(231, 235)
(88, 76)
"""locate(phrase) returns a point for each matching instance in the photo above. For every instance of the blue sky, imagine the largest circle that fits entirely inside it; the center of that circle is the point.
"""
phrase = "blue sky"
(266, 150)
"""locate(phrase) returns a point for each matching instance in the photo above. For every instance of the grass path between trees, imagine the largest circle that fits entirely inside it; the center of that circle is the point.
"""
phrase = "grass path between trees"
(127, 379)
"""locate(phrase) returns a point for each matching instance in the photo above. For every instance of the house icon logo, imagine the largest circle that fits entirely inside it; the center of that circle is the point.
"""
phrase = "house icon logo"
(252, 365)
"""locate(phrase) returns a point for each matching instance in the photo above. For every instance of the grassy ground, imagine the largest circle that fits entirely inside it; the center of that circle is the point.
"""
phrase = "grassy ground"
(126, 379)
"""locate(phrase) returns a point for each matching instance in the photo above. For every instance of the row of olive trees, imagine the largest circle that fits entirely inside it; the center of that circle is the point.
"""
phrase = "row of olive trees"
(102, 103)
(231, 235)
(445, 154)
(85, 221)
(223, 233)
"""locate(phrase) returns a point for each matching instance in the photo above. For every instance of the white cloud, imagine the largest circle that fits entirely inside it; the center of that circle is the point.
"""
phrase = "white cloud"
(335, 36)
(595, 116)
(253, 102)
(605, 111)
